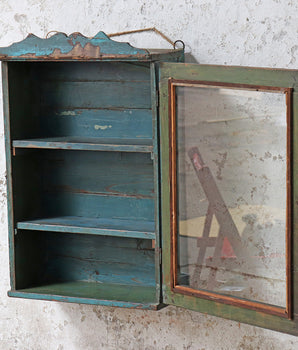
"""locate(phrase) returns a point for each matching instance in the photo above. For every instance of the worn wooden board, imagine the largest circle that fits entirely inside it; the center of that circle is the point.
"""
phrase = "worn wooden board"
(89, 71)
(60, 257)
(95, 94)
(129, 174)
(127, 296)
(87, 144)
(97, 258)
(6, 111)
(102, 123)
(74, 46)
(78, 47)
(109, 227)
(98, 206)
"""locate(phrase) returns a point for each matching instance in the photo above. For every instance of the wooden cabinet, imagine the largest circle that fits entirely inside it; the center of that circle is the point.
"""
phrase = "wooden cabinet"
(83, 170)
(135, 180)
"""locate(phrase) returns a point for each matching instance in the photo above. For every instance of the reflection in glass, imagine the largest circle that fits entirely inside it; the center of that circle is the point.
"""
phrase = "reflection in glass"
(232, 176)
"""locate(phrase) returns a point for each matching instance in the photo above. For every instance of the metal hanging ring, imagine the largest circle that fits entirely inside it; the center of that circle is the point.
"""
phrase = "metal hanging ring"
(179, 41)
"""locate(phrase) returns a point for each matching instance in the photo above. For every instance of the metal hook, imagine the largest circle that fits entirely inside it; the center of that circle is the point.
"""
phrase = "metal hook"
(179, 41)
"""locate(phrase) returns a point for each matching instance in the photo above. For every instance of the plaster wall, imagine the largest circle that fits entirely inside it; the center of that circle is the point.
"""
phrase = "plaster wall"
(234, 32)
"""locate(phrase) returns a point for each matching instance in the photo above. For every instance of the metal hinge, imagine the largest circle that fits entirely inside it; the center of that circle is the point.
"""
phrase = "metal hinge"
(159, 252)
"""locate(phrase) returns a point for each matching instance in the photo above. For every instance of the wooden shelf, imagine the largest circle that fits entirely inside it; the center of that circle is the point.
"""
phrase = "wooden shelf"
(92, 226)
(87, 144)
(140, 297)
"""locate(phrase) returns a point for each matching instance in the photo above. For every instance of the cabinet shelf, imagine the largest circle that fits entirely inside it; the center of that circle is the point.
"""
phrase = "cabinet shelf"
(93, 226)
(87, 144)
(131, 296)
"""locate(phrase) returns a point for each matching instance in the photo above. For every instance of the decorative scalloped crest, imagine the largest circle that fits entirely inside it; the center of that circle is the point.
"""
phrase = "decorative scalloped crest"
(75, 46)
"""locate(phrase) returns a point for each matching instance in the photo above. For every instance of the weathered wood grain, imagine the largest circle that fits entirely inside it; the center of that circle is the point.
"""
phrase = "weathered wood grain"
(74, 46)
(109, 227)
(87, 144)
(134, 297)
(99, 123)
(95, 94)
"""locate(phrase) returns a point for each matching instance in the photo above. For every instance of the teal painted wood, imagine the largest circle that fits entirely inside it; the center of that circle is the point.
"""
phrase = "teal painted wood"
(108, 227)
(129, 174)
(29, 258)
(23, 101)
(97, 258)
(74, 46)
(82, 300)
(112, 103)
(87, 144)
(98, 206)
(6, 111)
(95, 94)
(73, 183)
(155, 133)
(101, 123)
(64, 257)
(89, 71)
(139, 297)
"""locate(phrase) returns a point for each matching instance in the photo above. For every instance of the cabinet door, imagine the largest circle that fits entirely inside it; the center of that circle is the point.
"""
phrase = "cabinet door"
(229, 192)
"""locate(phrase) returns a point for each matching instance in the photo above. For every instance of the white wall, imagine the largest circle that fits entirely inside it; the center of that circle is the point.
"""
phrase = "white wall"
(232, 32)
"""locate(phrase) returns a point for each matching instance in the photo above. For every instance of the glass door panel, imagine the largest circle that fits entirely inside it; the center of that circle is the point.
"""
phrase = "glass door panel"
(230, 181)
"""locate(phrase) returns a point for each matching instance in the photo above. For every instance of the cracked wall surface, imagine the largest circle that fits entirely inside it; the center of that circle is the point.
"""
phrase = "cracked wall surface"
(250, 33)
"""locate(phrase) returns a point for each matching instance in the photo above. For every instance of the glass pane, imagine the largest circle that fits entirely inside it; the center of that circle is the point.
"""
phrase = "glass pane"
(232, 192)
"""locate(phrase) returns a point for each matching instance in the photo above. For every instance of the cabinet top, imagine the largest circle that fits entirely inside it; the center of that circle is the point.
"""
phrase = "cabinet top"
(77, 47)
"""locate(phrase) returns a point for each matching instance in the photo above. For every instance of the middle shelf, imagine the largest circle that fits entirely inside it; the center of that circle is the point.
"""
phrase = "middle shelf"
(87, 144)
(93, 226)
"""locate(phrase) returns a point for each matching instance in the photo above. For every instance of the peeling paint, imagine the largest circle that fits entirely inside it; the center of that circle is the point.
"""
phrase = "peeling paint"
(102, 127)
(250, 33)
(67, 113)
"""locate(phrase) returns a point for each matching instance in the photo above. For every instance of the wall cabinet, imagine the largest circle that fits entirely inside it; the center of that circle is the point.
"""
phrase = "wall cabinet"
(136, 180)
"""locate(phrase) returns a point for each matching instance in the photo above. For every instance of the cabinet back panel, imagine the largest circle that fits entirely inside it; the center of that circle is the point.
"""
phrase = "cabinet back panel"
(47, 257)
(126, 174)
(122, 124)
(98, 206)
(99, 259)
(80, 99)
(89, 71)
(78, 183)
(95, 94)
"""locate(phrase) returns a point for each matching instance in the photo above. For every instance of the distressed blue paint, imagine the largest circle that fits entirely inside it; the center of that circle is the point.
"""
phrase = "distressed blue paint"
(98, 206)
(109, 227)
(88, 144)
(112, 197)
(95, 94)
(81, 171)
(102, 123)
(73, 46)
(97, 259)
(6, 110)
(91, 71)
(82, 300)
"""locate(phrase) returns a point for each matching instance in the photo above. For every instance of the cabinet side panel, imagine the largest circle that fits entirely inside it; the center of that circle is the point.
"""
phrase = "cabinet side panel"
(6, 115)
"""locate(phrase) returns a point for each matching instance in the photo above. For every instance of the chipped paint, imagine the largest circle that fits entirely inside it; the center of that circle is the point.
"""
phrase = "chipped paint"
(248, 33)
(67, 113)
(102, 127)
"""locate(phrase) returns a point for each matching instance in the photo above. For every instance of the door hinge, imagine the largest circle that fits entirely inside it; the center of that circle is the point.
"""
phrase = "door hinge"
(159, 255)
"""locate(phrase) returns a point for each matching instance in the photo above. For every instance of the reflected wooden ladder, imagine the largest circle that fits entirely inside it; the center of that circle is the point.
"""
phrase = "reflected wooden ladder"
(228, 235)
